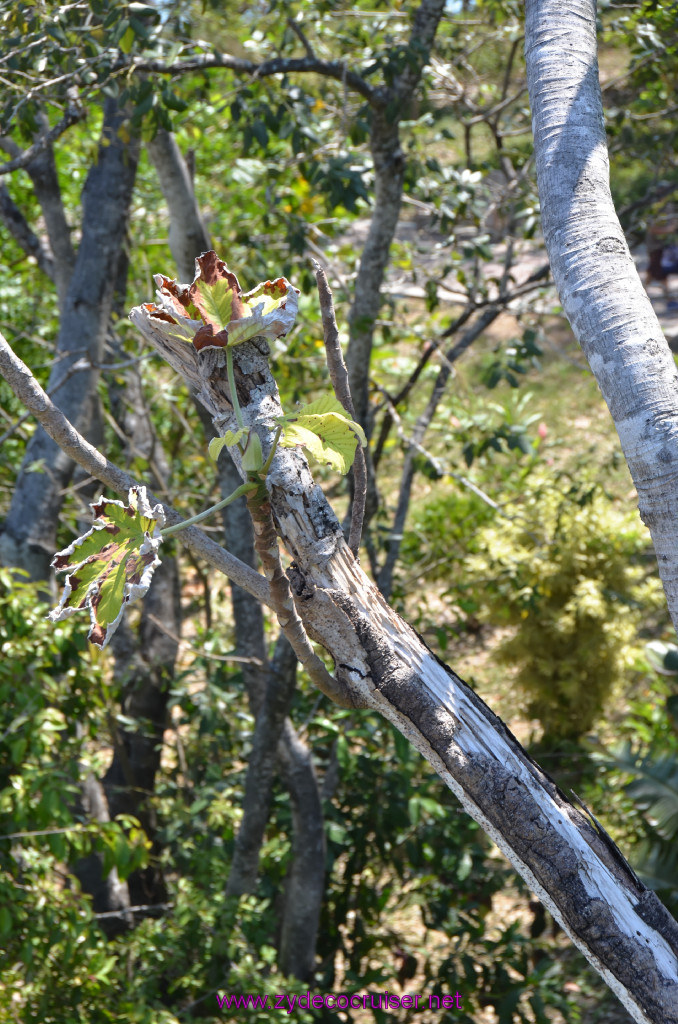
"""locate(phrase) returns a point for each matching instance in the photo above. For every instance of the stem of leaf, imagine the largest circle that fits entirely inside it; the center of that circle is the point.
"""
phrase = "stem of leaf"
(231, 384)
(267, 465)
(245, 488)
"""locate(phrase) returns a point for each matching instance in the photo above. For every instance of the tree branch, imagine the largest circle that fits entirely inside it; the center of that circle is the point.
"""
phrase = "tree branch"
(72, 116)
(63, 433)
(597, 281)
(276, 66)
(619, 925)
(23, 235)
(339, 378)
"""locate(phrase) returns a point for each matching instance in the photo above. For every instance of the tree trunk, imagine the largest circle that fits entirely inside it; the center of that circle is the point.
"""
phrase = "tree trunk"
(109, 894)
(305, 882)
(389, 173)
(594, 272)
(273, 709)
(188, 236)
(270, 686)
(580, 876)
(388, 108)
(28, 539)
(145, 660)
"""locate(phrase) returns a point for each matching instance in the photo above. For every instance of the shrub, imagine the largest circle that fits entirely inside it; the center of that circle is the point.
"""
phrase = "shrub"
(563, 566)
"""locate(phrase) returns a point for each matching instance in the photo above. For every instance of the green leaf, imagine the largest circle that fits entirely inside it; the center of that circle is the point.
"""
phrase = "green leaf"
(218, 302)
(271, 312)
(112, 564)
(253, 457)
(327, 432)
(230, 438)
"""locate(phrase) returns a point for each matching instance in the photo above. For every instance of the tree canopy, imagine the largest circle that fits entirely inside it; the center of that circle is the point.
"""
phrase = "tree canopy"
(224, 801)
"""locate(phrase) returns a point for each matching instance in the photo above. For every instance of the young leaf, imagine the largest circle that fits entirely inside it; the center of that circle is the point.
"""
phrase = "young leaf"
(227, 441)
(272, 309)
(326, 430)
(213, 312)
(112, 564)
(215, 292)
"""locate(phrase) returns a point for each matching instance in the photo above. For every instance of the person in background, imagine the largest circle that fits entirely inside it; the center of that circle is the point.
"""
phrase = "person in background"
(662, 252)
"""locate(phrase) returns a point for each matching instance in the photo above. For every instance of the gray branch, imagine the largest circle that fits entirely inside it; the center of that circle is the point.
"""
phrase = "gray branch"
(74, 445)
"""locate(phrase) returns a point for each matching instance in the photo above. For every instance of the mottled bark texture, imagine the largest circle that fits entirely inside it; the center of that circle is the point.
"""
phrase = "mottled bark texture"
(593, 270)
(270, 686)
(28, 539)
(620, 926)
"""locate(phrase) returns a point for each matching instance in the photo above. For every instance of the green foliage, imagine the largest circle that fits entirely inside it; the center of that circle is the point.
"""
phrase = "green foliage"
(56, 964)
(650, 757)
(326, 431)
(561, 566)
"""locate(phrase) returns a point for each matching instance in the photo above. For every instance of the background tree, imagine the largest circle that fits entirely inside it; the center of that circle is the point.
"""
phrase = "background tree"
(281, 142)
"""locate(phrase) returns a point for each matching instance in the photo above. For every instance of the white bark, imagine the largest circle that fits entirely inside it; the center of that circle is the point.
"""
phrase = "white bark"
(621, 927)
(594, 272)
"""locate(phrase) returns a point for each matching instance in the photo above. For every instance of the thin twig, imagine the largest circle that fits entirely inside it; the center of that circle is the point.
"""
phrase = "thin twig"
(72, 116)
(202, 652)
(301, 36)
(64, 434)
(142, 908)
(339, 378)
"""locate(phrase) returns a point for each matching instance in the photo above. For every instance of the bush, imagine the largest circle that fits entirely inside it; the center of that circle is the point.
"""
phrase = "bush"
(563, 566)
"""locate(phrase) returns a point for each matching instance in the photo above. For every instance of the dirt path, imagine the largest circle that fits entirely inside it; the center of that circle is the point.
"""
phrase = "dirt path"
(428, 252)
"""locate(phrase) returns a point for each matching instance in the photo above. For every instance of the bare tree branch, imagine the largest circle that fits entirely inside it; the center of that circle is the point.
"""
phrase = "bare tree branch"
(23, 235)
(277, 66)
(301, 36)
(72, 116)
(339, 378)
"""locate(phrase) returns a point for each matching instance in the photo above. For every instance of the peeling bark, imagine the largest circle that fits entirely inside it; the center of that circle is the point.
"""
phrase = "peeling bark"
(579, 875)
